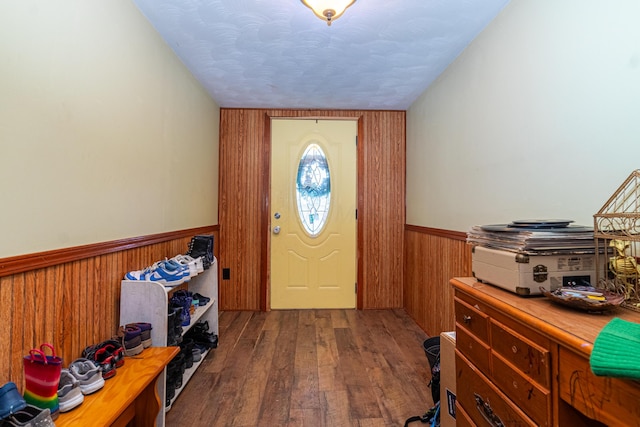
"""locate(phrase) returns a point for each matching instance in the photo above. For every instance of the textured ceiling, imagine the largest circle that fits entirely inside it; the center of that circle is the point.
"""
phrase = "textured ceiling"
(381, 54)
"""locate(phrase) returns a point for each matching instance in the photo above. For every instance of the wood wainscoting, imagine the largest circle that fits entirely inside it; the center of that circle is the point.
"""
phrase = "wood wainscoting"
(245, 141)
(432, 257)
(70, 297)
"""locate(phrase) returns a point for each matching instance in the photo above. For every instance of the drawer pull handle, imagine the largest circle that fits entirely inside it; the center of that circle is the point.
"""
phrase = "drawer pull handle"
(487, 413)
(514, 349)
(466, 319)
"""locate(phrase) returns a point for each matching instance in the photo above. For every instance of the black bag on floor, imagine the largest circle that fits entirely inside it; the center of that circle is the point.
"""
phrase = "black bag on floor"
(431, 348)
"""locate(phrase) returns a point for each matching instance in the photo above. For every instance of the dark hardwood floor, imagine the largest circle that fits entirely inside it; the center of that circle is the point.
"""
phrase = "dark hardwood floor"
(309, 368)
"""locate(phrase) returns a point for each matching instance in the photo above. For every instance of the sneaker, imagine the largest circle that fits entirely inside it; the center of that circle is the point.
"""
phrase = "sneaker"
(186, 349)
(198, 333)
(29, 416)
(167, 274)
(103, 358)
(196, 354)
(69, 393)
(190, 262)
(202, 300)
(145, 332)
(185, 303)
(115, 349)
(183, 297)
(202, 348)
(173, 265)
(88, 375)
(10, 400)
(131, 340)
(197, 261)
(138, 274)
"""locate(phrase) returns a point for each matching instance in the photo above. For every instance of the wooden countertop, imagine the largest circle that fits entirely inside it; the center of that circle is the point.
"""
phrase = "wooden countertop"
(575, 329)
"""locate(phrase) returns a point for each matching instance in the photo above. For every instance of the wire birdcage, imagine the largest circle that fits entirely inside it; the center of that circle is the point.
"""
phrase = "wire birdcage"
(616, 230)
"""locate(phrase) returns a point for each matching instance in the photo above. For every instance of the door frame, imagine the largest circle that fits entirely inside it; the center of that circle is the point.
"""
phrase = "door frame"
(265, 216)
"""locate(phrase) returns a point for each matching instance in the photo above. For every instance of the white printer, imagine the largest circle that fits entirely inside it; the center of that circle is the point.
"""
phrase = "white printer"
(525, 255)
(524, 274)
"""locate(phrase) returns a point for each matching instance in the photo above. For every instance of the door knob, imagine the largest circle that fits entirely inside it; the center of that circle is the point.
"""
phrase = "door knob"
(276, 229)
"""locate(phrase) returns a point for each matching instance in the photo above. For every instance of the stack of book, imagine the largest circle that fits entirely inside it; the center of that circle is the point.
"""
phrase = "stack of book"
(535, 237)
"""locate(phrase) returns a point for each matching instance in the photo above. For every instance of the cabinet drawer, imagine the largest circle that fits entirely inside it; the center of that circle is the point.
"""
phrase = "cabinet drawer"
(483, 401)
(526, 394)
(472, 319)
(476, 351)
(531, 359)
(462, 418)
(612, 401)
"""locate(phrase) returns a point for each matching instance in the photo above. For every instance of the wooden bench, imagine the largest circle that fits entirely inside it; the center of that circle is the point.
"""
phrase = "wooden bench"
(129, 398)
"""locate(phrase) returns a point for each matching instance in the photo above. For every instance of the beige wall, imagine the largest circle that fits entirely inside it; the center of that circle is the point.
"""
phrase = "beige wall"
(538, 118)
(104, 134)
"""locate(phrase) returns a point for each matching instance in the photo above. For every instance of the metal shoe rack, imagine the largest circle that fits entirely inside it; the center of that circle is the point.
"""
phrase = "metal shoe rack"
(147, 301)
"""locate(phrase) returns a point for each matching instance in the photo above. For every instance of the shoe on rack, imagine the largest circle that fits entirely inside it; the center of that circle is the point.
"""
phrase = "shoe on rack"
(174, 325)
(186, 348)
(131, 338)
(196, 354)
(69, 394)
(10, 400)
(197, 262)
(180, 361)
(202, 247)
(201, 326)
(185, 304)
(202, 348)
(113, 347)
(29, 416)
(185, 297)
(198, 333)
(174, 377)
(186, 262)
(202, 300)
(168, 275)
(145, 332)
(138, 274)
(101, 357)
(163, 272)
(174, 266)
(88, 374)
(171, 329)
(116, 349)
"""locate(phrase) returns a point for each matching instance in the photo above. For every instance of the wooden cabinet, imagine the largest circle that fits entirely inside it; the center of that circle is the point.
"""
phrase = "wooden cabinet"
(525, 362)
(508, 373)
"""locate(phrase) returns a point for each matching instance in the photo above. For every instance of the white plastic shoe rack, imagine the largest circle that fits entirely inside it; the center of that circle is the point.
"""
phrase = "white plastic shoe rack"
(147, 301)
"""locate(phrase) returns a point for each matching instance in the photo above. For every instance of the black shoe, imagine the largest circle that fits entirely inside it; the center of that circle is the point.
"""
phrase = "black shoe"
(202, 247)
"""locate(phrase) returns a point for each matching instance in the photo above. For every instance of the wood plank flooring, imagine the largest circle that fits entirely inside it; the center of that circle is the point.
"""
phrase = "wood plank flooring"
(309, 368)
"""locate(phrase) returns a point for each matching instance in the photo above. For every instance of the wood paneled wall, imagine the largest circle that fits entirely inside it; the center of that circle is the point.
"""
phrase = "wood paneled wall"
(72, 301)
(244, 202)
(432, 257)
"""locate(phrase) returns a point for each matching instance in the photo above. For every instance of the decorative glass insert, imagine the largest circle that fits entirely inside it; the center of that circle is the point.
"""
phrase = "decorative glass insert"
(313, 189)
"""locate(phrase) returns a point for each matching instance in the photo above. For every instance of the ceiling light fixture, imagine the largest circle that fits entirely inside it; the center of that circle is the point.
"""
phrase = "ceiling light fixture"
(328, 10)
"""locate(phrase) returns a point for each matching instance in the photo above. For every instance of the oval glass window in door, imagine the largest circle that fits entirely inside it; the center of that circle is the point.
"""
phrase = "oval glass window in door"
(313, 189)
